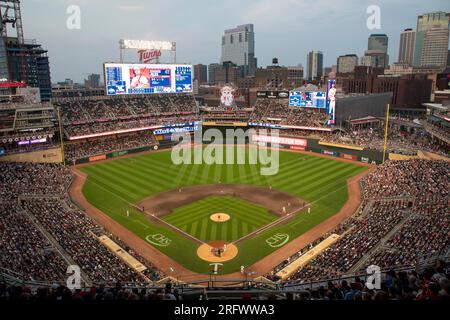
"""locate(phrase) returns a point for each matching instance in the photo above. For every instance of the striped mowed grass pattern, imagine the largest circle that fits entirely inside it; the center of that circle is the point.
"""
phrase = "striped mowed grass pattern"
(113, 187)
(195, 219)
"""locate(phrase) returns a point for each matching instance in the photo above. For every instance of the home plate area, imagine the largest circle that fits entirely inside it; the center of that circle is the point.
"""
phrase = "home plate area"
(217, 251)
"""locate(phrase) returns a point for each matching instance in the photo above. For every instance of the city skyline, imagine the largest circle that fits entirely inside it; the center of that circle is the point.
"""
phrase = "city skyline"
(198, 40)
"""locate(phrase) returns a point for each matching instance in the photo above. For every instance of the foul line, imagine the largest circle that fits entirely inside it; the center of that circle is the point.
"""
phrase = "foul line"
(150, 215)
(282, 219)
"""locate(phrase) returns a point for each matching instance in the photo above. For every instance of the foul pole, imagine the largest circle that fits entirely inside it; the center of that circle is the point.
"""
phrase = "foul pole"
(386, 132)
(61, 137)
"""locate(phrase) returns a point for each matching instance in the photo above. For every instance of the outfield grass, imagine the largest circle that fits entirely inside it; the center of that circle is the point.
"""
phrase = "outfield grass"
(112, 186)
(194, 218)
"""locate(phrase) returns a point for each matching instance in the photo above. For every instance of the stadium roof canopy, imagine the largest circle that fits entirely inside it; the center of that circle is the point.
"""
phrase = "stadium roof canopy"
(368, 119)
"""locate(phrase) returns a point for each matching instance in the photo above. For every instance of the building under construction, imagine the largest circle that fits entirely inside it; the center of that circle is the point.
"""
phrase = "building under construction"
(23, 63)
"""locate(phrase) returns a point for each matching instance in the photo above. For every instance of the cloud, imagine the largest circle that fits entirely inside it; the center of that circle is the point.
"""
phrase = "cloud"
(130, 7)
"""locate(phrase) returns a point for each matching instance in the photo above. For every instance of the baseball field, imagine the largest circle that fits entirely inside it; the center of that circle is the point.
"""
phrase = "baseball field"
(178, 208)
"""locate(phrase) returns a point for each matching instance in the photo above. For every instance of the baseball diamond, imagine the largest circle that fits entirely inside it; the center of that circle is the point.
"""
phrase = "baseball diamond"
(304, 181)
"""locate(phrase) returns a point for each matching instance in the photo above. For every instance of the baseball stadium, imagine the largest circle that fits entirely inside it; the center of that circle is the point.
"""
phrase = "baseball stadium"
(168, 194)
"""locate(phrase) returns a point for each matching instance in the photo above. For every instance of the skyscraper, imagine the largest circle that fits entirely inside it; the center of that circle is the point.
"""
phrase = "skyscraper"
(431, 46)
(347, 63)
(314, 65)
(238, 46)
(377, 48)
(406, 46)
(367, 61)
(212, 72)
(201, 73)
(93, 81)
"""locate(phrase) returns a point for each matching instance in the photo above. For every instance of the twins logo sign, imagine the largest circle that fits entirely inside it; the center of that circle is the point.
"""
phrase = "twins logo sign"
(227, 96)
(277, 240)
(158, 239)
(145, 56)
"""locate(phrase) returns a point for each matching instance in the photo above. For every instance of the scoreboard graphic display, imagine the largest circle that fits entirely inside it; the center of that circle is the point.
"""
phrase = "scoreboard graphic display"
(307, 99)
(147, 78)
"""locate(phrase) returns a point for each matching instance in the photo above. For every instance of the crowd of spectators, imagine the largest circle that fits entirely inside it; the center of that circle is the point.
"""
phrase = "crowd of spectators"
(71, 228)
(24, 250)
(42, 232)
(307, 117)
(277, 110)
(365, 233)
(87, 148)
(403, 220)
(101, 115)
(431, 284)
(398, 141)
(95, 116)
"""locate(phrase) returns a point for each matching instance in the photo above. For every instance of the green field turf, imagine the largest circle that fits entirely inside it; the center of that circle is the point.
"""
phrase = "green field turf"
(114, 185)
(194, 218)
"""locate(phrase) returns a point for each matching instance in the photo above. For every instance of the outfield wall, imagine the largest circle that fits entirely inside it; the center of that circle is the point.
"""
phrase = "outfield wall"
(365, 155)
(314, 145)
(307, 144)
(111, 155)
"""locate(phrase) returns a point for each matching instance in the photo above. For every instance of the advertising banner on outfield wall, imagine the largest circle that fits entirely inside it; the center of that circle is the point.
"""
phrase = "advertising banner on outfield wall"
(97, 158)
(118, 154)
(297, 148)
(349, 156)
(329, 153)
(279, 140)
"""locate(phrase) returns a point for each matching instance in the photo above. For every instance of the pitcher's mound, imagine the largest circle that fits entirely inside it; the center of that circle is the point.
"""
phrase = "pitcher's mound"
(217, 251)
(220, 217)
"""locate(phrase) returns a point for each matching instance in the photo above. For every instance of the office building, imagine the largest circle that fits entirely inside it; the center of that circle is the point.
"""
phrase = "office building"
(406, 46)
(201, 73)
(377, 48)
(238, 46)
(347, 63)
(93, 81)
(211, 72)
(314, 65)
(431, 44)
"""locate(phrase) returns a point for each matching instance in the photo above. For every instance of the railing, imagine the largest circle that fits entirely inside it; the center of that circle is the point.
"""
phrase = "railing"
(227, 286)
(323, 282)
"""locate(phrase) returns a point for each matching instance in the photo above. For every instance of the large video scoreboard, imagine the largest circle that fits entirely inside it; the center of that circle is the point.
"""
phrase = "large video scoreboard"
(147, 78)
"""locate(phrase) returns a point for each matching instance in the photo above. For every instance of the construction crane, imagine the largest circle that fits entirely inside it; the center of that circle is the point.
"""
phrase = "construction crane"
(10, 14)
(15, 19)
